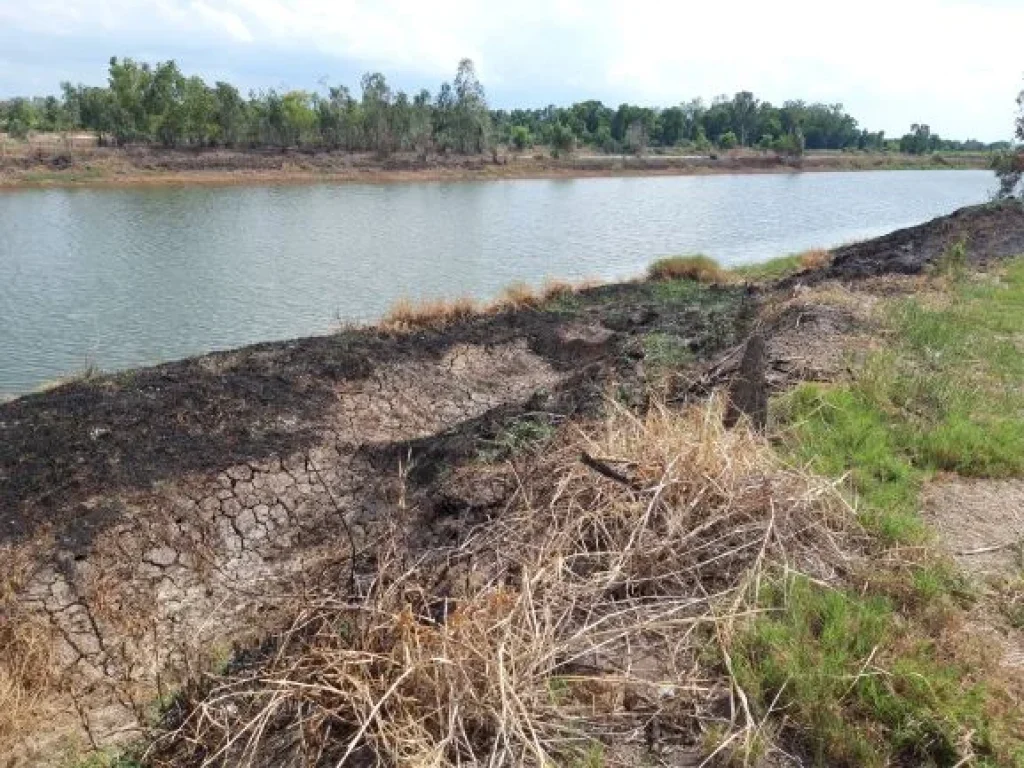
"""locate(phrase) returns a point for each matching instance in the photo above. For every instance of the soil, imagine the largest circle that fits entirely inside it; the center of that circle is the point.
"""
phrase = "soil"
(989, 232)
(168, 513)
(53, 166)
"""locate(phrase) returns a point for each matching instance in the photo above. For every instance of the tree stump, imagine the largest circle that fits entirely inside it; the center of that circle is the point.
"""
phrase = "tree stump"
(748, 392)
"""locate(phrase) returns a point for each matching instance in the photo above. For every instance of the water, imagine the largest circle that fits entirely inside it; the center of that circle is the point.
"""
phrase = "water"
(126, 277)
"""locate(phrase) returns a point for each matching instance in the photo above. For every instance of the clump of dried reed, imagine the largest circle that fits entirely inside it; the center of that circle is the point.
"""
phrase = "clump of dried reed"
(597, 610)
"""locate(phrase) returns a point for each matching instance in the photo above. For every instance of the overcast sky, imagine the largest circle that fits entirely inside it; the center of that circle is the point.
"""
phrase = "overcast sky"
(954, 64)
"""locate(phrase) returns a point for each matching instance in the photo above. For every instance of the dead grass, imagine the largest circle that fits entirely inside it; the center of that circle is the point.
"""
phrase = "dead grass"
(28, 678)
(406, 314)
(814, 258)
(579, 617)
(701, 269)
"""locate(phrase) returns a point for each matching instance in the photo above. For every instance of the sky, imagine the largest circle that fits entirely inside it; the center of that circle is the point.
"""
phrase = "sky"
(953, 64)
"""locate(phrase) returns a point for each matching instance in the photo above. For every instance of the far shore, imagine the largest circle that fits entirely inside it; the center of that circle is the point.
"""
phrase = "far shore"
(54, 166)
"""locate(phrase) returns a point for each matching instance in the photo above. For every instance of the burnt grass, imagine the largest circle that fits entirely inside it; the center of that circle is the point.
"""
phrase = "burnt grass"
(131, 430)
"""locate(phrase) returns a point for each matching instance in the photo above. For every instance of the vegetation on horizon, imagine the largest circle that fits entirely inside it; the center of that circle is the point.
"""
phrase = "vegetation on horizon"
(158, 105)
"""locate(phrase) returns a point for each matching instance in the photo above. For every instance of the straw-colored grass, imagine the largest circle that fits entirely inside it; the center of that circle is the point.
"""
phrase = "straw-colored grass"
(579, 616)
(815, 258)
(701, 269)
(406, 314)
(27, 654)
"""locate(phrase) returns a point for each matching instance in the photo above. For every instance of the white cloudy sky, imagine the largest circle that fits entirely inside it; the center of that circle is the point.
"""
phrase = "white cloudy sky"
(954, 64)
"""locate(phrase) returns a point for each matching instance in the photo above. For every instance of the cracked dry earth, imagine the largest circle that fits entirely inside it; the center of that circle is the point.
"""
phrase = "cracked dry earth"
(152, 521)
(190, 562)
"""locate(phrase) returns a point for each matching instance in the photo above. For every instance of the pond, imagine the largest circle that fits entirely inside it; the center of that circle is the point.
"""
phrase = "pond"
(125, 277)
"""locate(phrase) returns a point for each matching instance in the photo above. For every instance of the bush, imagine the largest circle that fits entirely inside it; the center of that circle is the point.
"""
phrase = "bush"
(521, 138)
(728, 140)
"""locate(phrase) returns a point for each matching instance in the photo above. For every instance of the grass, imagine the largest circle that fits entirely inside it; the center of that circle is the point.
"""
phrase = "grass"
(783, 266)
(875, 676)
(525, 433)
(666, 351)
(945, 396)
(862, 689)
(698, 268)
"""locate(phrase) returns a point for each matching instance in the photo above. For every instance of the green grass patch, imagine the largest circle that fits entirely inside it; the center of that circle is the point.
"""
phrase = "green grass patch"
(777, 268)
(516, 436)
(868, 678)
(859, 689)
(947, 395)
(666, 351)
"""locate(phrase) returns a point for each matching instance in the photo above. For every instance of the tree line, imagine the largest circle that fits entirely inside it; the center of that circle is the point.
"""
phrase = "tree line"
(157, 104)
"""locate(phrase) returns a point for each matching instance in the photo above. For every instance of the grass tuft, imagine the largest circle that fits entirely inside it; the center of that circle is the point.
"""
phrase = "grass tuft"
(698, 268)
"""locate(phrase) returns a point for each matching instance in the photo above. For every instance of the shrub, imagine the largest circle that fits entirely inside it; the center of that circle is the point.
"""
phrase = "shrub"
(728, 140)
(699, 268)
(521, 138)
(563, 140)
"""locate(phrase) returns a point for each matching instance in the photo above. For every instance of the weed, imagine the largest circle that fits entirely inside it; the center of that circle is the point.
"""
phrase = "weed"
(666, 351)
(953, 262)
(406, 314)
(525, 433)
(947, 397)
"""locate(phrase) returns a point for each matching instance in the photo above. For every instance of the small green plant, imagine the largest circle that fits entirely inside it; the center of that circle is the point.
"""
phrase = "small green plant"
(517, 436)
(665, 351)
(953, 262)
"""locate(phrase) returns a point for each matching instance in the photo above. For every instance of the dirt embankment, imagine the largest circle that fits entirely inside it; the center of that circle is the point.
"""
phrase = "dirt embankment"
(152, 519)
(159, 515)
(144, 165)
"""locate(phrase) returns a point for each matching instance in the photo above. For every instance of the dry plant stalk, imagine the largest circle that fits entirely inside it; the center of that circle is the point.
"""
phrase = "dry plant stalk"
(580, 616)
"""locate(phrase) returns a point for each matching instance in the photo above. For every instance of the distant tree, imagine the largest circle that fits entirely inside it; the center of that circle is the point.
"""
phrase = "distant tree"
(727, 140)
(636, 138)
(919, 141)
(1009, 165)
(520, 137)
(471, 125)
(563, 140)
(744, 115)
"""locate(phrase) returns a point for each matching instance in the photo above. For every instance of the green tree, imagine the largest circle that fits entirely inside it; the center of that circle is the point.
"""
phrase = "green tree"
(471, 124)
(1009, 165)
(728, 140)
(520, 137)
(563, 140)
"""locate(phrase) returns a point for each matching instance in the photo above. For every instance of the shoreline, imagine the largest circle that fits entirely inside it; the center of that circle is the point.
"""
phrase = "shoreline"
(154, 168)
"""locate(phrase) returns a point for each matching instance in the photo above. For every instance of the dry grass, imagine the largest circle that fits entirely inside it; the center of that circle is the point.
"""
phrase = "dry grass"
(572, 622)
(28, 677)
(407, 314)
(516, 296)
(701, 269)
(814, 258)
